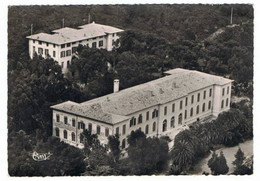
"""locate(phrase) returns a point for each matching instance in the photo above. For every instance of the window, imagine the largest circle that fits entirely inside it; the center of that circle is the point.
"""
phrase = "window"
(140, 119)
(68, 53)
(227, 102)
(186, 101)
(40, 51)
(74, 50)
(57, 118)
(47, 44)
(204, 94)
(132, 121)
(172, 122)
(156, 113)
(203, 107)
(33, 49)
(54, 54)
(222, 104)
(173, 107)
(73, 122)
(46, 52)
(54, 45)
(228, 90)
(198, 98)
(154, 126)
(73, 137)
(81, 138)
(62, 64)
(98, 129)
(62, 54)
(147, 115)
(124, 129)
(165, 110)
(147, 129)
(81, 125)
(90, 127)
(223, 91)
(106, 132)
(68, 63)
(185, 114)
(198, 109)
(65, 120)
(192, 99)
(100, 43)
(73, 43)
(210, 92)
(209, 105)
(180, 119)
(80, 41)
(180, 105)
(117, 130)
(65, 134)
(68, 44)
(33, 41)
(94, 45)
(191, 112)
(40, 43)
(57, 132)
(164, 125)
(63, 46)
(113, 34)
(123, 143)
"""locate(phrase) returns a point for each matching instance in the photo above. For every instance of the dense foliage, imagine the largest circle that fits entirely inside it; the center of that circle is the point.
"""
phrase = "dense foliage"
(230, 128)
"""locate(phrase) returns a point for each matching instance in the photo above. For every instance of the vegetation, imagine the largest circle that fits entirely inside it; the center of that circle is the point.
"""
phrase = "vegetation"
(240, 167)
(218, 164)
(157, 38)
(230, 128)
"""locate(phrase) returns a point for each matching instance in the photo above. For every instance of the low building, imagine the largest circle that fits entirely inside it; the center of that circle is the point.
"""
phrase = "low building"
(158, 107)
(63, 43)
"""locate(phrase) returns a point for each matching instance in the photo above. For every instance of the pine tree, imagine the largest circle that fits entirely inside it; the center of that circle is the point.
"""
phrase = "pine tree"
(218, 164)
(239, 158)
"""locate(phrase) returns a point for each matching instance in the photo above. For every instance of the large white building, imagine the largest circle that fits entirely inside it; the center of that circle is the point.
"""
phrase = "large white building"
(63, 43)
(159, 107)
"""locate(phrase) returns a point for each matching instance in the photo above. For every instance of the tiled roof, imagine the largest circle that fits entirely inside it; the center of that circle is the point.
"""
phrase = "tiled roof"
(67, 35)
(177, 84)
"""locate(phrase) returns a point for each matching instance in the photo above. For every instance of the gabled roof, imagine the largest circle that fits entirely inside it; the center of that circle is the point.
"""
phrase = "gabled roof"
(67, 35)
(177, 84)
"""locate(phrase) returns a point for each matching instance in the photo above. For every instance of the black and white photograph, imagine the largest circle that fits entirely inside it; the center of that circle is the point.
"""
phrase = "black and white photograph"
(158, 89)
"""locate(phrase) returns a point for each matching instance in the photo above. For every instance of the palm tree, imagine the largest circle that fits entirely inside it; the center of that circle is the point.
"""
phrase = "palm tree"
(183, 155)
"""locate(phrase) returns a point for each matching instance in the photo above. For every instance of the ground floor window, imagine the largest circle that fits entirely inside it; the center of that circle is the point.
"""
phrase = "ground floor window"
(73, 137)
(147, 129)
(164, 125)
(172, 122)
(57, 131)
(180, 119)
(154, 126)
(65, 134)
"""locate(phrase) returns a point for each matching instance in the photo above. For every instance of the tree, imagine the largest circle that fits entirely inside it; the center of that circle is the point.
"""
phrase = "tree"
(146, 155)
(218, 164)
(240, 167)
(114, 145)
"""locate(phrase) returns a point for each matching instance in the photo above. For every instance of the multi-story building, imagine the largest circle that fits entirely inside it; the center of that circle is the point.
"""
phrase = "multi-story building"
(158, 107)
(63, 43)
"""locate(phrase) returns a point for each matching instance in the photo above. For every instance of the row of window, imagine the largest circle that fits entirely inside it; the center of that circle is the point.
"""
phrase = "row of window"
(65, 134)
(222, 103)
(46, 51)
(140, 117)
(186, 101)
(47, 44)
(65, 53)
(223, 91)
(81, 125)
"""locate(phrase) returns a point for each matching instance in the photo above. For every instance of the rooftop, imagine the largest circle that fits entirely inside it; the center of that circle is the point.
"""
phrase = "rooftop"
(67, 35)
(117, 107)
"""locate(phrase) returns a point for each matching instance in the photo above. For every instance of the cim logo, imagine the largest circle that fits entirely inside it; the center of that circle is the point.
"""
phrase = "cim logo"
(41, 156)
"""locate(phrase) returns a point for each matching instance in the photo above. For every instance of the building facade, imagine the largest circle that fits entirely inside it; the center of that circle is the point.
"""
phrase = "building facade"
(158, 108)
(62, 44)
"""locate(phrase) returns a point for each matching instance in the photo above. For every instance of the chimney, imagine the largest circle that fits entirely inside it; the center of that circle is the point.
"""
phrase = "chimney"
(116, 85)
